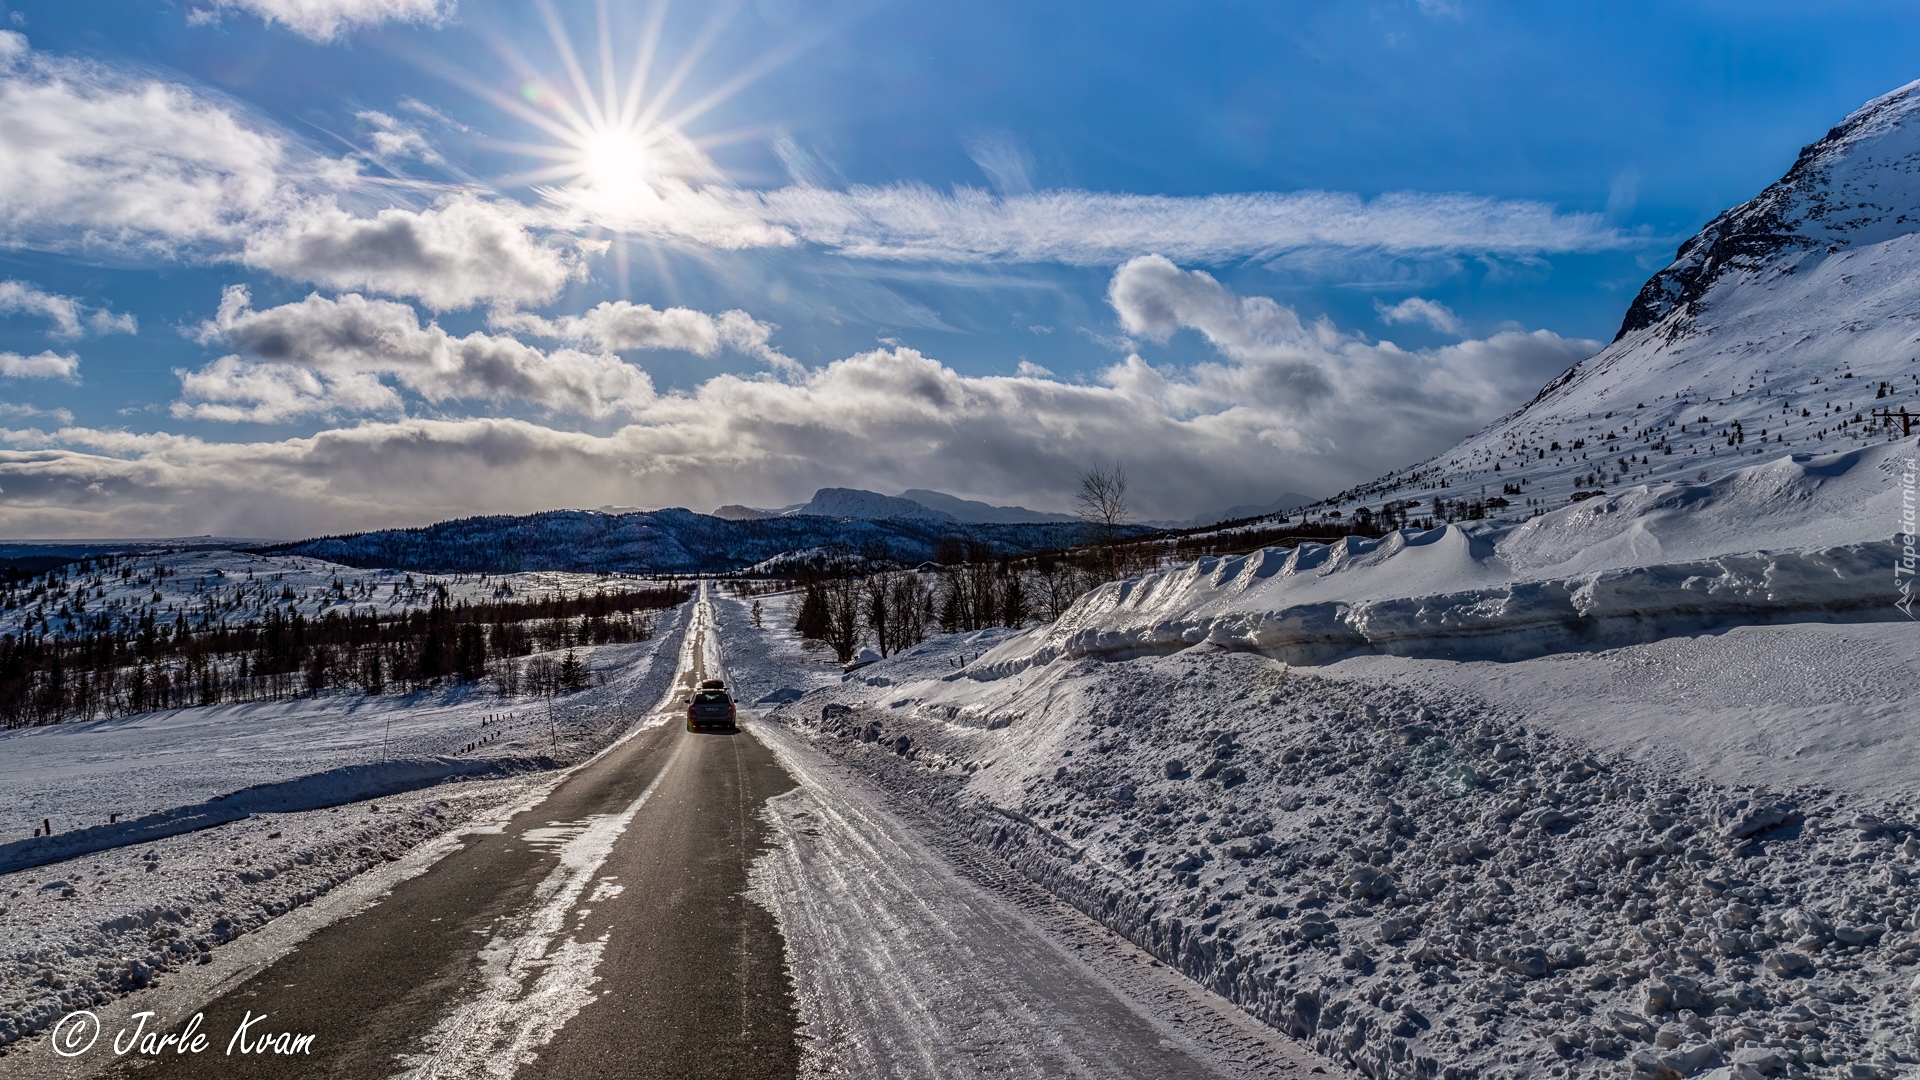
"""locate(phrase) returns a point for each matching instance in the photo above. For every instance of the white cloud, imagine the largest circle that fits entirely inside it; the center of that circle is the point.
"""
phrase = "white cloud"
(46, 365)
(1419, 309)
(1333, 389)
(70, 317)
(59, 416)
(323, 355)
(395, 140)
(911, 221)
(91, 157)
(325, 20)
(232, 390)
(620, 325)
(1288, 399)
(463, 252)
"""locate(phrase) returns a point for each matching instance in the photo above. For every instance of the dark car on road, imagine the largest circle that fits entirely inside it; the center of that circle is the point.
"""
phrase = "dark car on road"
(710, 708)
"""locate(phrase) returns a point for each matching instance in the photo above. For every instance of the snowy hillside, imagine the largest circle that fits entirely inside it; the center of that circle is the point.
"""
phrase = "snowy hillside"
(1421, 878)
(1789, 325)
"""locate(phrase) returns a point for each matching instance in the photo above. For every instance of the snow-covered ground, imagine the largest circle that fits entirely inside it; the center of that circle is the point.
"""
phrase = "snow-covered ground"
(913, 956)
(88, 929)
(1676, 856)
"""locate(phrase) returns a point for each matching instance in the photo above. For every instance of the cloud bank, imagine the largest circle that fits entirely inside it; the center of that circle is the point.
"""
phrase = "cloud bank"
(1286, 403)
(324, 356)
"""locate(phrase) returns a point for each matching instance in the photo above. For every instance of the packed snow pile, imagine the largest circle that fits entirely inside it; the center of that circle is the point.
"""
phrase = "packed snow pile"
(1416, 881)
(1794, 538)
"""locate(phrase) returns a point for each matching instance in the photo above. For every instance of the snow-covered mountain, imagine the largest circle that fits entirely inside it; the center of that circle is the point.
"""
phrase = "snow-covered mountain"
(916, 504)
(1789, 325)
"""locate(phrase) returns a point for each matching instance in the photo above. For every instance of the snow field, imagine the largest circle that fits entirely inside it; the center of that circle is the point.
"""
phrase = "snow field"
(80, 774)
(89, 930)
(1412, 879)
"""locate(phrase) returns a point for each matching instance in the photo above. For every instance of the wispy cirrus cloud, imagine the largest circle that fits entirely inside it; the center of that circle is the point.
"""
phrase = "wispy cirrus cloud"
(1088, 228)
(328, 20)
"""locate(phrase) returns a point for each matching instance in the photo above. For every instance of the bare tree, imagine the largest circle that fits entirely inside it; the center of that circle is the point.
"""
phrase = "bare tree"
(1102, 503)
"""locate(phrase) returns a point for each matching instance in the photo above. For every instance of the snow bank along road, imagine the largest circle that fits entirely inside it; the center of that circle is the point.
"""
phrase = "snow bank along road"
(611, 930)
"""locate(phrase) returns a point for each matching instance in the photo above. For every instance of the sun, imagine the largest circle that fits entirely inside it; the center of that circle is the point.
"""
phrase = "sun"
(614, 145)
(611, 161)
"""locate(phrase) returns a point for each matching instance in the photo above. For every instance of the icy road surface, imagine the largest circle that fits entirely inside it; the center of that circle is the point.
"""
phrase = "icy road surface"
(913, 958)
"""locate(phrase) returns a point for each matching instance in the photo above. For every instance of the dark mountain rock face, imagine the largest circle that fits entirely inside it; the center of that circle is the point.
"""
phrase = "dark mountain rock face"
(1853, 186)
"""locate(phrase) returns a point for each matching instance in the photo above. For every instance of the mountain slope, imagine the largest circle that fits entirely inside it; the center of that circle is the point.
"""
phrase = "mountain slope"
(917, 503)
(1782, 328)
(980, 513)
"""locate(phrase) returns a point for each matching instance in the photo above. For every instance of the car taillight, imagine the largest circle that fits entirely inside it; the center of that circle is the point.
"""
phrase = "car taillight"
(729, 710)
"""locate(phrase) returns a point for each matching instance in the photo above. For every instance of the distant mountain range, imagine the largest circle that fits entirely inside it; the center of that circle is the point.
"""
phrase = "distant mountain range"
(916, 504)
(672, 541)
(920, 504)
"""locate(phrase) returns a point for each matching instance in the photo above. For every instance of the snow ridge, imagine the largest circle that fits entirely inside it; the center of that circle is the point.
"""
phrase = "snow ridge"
(1651, 562)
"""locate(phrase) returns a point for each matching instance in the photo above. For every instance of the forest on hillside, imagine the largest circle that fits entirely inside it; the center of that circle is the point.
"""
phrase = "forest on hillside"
(89, 665)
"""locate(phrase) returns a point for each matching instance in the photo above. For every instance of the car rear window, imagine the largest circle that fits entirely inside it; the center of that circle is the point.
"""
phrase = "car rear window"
(710, 697)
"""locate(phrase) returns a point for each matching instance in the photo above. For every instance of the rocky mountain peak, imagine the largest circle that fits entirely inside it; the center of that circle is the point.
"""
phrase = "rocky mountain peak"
(1859, 184)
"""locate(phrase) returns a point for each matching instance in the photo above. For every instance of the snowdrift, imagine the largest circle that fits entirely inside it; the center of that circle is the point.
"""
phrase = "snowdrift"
(1792, 539)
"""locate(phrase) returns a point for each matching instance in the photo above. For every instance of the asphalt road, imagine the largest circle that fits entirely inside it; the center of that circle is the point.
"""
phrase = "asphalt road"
(607, 933)
(604, 933)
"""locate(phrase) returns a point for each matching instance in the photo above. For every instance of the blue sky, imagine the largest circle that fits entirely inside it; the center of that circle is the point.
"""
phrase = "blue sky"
(278, 267)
